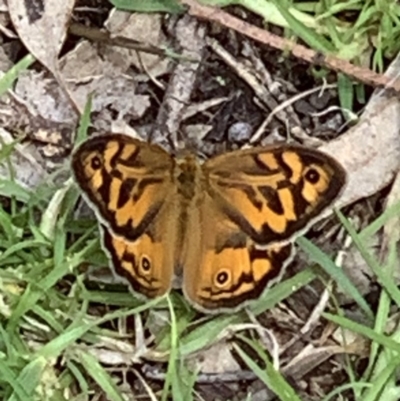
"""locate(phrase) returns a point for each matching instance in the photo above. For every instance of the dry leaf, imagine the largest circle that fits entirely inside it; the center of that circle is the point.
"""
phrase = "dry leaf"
(42, 27)
(370, 151)
(27, 171)
(216, 359)
(143, 28)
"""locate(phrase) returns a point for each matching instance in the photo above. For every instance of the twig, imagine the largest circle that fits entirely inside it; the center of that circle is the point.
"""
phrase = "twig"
(215, 14)
(190, 41)
(97, 35)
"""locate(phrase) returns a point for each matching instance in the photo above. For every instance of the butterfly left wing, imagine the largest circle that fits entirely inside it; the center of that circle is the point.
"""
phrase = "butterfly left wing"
(148, 262)
(130, 186)
(274, 192)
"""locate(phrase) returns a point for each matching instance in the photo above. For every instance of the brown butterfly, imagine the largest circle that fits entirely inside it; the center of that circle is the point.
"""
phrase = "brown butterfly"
(223, 227)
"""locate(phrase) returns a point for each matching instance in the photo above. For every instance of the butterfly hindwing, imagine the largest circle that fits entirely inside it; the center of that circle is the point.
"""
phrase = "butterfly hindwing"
(146, 263)
(223, 268)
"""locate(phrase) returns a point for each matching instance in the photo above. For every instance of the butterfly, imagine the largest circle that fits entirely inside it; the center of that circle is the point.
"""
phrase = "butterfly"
(224, 227)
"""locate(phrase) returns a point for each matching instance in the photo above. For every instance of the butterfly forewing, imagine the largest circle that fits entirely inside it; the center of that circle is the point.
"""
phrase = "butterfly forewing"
(273, 193)
(125, 180)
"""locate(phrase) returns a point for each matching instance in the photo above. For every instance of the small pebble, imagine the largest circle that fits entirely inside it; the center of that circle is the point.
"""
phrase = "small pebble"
(239, 132)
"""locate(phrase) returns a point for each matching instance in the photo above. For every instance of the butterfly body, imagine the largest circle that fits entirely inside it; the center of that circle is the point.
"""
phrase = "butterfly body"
(224, 226)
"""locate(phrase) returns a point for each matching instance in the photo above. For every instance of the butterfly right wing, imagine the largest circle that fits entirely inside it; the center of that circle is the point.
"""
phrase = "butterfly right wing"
(252, 203)
(224, 269)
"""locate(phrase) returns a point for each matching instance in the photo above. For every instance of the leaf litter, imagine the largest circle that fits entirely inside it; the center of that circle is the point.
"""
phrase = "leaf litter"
(124, 84)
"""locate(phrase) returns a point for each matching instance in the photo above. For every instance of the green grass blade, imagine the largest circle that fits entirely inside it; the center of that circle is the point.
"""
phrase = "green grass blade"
(364, 331)
(337, 274)
(84, 122)
(100, 376)
(8, 79)
(30, 377)
(149, 6)
(315, 41)
(281, 291)
(385, 280)
(346, 95)
(269, 376)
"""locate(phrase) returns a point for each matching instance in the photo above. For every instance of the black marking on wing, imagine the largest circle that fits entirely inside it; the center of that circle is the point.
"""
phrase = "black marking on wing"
(251, 195)
(103, 190)
(125, 191)
(271, 198)
(148, 287)
(303, 209)
(264, 169)
(130, 188)
(131, 231)
(234, 241)
(133, 160)
(278, 259)
(115, 159)
(143, 183)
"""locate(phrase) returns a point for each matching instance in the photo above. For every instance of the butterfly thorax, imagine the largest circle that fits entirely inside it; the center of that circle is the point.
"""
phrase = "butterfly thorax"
(187, 177)
(189, 181)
